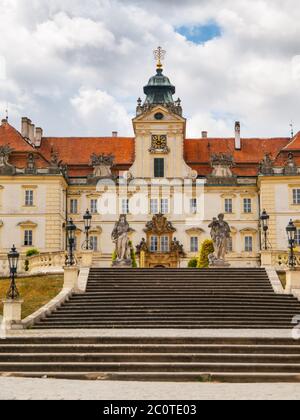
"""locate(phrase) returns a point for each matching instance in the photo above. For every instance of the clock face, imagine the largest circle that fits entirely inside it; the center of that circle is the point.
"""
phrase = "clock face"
(159, 142)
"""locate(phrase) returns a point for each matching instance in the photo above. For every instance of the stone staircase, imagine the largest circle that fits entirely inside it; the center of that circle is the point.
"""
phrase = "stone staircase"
(153, 359)
(176, 299)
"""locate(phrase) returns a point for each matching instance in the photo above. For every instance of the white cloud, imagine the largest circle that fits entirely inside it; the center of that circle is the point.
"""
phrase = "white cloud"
(68, 60)
(102, 111)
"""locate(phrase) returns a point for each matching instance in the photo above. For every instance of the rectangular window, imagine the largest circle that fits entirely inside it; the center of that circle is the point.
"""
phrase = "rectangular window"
(297, 237)
(164, 206)
(228, 205)
(193, 205)
(164, 244)
(154, 244)
(194, 244)
(28, 238)
(159, 168)
(74, 206)
(296, 196)
(125, 206)
(247, 205)
(94, 243)
(94, 206)
(28, 198)
(154, 206)
(248, 244)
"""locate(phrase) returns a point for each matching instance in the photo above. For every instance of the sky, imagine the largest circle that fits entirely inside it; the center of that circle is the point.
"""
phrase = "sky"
(76, 68)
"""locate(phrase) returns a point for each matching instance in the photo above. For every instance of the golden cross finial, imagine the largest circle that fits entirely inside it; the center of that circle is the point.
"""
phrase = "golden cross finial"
(159, 56)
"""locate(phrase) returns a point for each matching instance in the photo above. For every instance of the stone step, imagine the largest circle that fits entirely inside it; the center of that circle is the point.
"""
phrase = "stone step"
(149, 348)
(293, 368)
(172, 317)
(167, 377)
(229, 324)
(149, 340)
(135, 358)
(173, 312)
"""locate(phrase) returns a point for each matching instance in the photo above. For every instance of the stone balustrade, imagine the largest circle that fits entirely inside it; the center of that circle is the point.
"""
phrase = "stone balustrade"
(52, 262)
(279, 260)
(49, 262)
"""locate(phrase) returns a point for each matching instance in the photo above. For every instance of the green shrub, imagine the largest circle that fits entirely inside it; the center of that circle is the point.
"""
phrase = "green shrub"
(133, 255)
(207, 248)
(193, 263)
(114, 256)
(32, 252)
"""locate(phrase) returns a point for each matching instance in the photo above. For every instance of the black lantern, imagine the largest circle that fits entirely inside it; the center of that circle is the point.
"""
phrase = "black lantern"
(71, 231)
(13, 259)
(87, 226)
(265, 227)
(291, 231)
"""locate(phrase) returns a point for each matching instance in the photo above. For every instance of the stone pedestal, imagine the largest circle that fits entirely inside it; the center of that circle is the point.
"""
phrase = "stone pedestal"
(215, 263)
(266, 259)
(292, 281)
(86, 259)
(122, 264)
(71, 278)
(12, 314)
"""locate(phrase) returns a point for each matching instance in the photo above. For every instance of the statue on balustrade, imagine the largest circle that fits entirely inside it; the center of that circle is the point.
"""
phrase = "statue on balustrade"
(220, 235)
(120, 237)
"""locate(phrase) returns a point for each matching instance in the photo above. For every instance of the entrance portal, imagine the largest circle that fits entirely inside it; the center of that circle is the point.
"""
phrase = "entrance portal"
(160, 250)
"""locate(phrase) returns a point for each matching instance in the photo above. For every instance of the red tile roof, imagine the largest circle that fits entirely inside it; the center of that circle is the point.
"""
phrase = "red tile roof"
(294, 144)
(9, 135)
(252, 151)
(78, 150)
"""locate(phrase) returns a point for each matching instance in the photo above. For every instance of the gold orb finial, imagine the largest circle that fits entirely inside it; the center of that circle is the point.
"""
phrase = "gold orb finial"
(159, 55)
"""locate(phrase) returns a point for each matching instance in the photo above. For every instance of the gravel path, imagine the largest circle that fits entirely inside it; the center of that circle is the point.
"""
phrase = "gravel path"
(43, 389)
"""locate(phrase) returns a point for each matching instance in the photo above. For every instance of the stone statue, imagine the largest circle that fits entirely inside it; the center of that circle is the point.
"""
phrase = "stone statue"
(176, 246)
(5, 167)
(121, 239)
(102, 165)
(142, 247)
(266, 165)
(31, 165)
(290, 167)
(220, 234)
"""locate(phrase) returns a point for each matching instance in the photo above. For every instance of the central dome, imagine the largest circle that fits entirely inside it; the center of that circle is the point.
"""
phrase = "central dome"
(159, 90)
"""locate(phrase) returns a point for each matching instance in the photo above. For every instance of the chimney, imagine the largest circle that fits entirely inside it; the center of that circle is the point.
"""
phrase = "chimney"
(31, 133)
(25, 127)
(204, 134)
(115, 134)
(238, 144)
(38, 136)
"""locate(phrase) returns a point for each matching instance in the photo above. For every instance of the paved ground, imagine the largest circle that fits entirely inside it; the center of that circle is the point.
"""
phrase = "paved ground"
(154, 333)
(43, 389)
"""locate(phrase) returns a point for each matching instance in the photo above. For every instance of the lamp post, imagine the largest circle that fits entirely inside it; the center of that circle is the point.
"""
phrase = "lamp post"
(291, 233)
(13, 259)
(87, 226)
(71, 230)
(265, 227)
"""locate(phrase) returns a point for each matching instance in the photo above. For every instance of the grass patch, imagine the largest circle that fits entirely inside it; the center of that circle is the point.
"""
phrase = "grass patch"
(35, 291)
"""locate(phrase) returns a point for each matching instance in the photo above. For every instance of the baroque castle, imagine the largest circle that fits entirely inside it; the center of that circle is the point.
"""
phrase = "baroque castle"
(44, 181)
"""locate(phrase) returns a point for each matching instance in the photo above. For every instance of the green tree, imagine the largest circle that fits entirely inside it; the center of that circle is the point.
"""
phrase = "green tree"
(207, 248)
